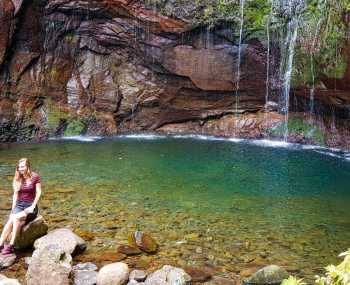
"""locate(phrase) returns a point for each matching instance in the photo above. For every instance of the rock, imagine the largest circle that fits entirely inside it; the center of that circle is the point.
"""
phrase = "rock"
(31, 232)
(134, 282)
(271, 274)
(7, 260)
(88, 266)
(246, 272)
(197, 274)
(143, 241)
(27, 261)
(65, 238)
(86, 235)
(8, 281)
(168, 275)
(138, 275)
(113, 274)
(102, 257)
(85, 277)
(84, 274)
(50, 264)
(129, 250)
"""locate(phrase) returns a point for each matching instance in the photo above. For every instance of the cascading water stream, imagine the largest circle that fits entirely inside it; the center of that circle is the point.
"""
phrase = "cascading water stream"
(267, 90)
(312, 67)
(286, 68)
(238, 75)
(267, 64)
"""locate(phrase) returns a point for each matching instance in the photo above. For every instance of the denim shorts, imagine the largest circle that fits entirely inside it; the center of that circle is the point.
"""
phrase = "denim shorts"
(21, 205)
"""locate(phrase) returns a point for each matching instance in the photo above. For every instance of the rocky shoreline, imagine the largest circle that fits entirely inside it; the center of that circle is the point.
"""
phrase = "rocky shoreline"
(54, 252)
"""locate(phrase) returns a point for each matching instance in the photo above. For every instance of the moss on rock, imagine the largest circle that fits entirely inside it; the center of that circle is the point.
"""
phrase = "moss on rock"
(75, 127)
(299, 127)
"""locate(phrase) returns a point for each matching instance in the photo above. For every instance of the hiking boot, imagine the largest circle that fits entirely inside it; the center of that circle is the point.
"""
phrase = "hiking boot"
(8, 249)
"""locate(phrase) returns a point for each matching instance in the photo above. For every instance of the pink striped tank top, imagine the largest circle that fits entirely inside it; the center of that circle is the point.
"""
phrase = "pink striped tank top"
(27, 191)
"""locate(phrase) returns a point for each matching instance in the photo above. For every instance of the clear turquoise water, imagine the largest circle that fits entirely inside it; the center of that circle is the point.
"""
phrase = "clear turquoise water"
(246, 205)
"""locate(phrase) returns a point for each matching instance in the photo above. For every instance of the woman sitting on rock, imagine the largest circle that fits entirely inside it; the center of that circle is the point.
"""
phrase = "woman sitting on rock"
(27, 191)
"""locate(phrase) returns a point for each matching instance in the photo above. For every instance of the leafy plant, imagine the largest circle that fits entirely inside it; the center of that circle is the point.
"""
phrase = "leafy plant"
(337, 275)
(75, 127)
(293, 281)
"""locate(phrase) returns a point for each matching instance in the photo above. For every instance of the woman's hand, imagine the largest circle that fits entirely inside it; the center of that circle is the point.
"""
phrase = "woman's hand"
(29, 210)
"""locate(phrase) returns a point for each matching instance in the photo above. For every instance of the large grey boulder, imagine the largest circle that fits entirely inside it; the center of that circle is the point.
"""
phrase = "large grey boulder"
(113, 274)
(63, 237)
(168, 275)
(49, 265)
(271, 274)
(31, 232)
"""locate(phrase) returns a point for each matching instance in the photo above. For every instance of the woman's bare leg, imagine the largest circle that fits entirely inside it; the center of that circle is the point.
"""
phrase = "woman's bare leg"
(6, 231)
(18, 222)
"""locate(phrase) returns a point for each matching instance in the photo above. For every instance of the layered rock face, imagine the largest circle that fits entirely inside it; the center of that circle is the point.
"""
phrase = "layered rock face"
(113, 66)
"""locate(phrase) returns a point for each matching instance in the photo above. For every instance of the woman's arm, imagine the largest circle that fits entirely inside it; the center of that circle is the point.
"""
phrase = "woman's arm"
(36, 200)
(37, 195)
(15, 195)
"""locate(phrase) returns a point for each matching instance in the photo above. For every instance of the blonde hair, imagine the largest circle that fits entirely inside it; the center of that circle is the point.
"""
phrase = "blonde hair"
(19, 178)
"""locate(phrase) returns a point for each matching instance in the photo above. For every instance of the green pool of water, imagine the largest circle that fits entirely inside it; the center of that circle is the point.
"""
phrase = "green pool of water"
(230, 205)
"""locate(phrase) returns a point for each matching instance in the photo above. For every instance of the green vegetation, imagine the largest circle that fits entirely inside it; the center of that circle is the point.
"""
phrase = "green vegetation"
(335, 275)
(75, 127)
(55, 115)
(293, 281)
(255, 13)
(321, 42)
(297, 126)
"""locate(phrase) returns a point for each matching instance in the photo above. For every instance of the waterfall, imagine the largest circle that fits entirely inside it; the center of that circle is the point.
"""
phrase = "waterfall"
(241, 4)
(268, 23)
(267, 64)
(312, 67)
(291, 39)
(290, 32)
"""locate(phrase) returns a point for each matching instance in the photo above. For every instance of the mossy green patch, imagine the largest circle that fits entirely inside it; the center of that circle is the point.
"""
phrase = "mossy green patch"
(55, 115)
(297, 126)
(75, 127)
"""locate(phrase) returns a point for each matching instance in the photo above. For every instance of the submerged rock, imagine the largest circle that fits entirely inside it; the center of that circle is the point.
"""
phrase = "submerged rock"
(50, 264)
(218, 280)
(197, 274)
(65, 238)
(271, 274)
(168, 275)
(31, 232)
(113, 274)
(143, 241)
(129, 250)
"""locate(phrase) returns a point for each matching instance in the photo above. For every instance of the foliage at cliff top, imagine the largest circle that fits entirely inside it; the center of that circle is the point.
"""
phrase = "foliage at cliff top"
(211, 12)
(323, 37)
